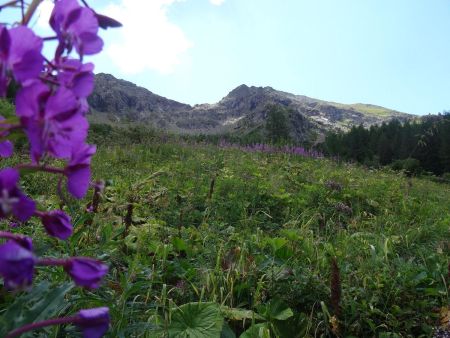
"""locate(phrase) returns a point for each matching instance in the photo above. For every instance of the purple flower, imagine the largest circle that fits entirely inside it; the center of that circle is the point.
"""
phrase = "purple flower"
(78, 171)
(75, 26)
(16, 264)
(57, 224)
(86, 272)
(6, 148)
(12, 199)
(77, 76)
(93, 322)
(20, 54)
(52, 122)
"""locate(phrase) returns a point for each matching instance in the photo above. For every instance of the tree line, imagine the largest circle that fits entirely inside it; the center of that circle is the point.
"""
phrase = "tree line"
(416, 146)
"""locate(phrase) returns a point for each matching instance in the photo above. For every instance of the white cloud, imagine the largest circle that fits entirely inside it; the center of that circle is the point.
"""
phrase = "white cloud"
(43, 16)
(147, 40)
(217, 2)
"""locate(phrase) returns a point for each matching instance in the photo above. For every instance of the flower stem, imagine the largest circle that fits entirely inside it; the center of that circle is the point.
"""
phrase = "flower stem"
(30, 11)
(52, 261)
(35, 167)
(38, 325)
(9, 235)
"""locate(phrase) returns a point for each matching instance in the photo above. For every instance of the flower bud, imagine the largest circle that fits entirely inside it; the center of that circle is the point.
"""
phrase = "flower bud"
(86, 272)
(16, 264)
(93, 322)
(57, 224)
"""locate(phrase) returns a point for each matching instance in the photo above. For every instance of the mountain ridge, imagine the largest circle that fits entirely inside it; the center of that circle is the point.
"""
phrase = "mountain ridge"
(244, 109)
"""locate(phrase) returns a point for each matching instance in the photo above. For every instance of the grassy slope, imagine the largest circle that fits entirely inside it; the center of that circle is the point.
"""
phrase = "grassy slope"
(268, 231)
(369, 109)
(392, 248)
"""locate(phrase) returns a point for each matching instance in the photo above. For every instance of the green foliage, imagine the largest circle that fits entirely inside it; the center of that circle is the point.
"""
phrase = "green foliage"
(250, 254)
(412, 146)
(196, 320)
(42, 302)
(277, 124)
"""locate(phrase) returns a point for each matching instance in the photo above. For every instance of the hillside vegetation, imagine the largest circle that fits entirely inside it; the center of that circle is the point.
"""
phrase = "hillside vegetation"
(209, 242)
(416, 146)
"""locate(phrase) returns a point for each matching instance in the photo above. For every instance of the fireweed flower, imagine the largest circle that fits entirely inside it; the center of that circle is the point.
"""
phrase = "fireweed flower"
(6, 149)
(51, 105)
(12, 200)
(78, 171)
(52, 122)
(57, 224)
(86, 272)
(79, 78)
(20, 54)
(16, 264)
(75, 26)
(93, 322)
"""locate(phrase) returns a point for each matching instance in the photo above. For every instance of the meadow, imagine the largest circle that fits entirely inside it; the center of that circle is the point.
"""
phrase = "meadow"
(204, 241)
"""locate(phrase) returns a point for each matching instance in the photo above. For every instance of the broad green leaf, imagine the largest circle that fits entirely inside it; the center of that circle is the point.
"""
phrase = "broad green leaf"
(196, 320)
(239, 314)
(257, 331)
(277, 309)
(227, 332)
(42, 302)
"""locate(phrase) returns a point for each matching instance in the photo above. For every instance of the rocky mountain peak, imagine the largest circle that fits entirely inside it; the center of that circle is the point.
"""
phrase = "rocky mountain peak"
(243, 110)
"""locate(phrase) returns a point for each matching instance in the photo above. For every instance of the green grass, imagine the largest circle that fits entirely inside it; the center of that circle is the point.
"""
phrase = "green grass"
(257, 232)
(369, 109)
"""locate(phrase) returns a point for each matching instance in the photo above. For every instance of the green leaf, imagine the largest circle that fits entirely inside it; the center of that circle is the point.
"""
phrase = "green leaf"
(277, 309)
(179, 244)
(227, 332)
(239, 314)
(257, 331)
(42, 302)
(196, 320)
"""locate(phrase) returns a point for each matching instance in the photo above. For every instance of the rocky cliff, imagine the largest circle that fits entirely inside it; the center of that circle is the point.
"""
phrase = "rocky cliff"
(244, 109)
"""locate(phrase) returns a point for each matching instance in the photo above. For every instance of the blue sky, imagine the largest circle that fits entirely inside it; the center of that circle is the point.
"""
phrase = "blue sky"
(394, 53)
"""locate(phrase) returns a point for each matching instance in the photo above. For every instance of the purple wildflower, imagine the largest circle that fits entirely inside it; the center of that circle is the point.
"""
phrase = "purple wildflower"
(53, 122)
(57, 224)
(78, 171)
(6, 148)
(12, 199)
(75, 26)
(16, 264)
(20, 54)
(86, 272)
(77, 76)
(93, 322)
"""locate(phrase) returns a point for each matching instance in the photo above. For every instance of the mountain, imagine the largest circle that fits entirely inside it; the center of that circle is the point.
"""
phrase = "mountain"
(243, 110)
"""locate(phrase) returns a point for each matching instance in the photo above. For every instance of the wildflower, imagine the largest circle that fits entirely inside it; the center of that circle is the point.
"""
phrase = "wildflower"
(6, 149)
(20, 54)
(52, 122)
(86, 272)
(93, 322)
(57, 224)
(78, 171)
(16, 264)
(341, 207)
(12, 199)
(75, 26)
(79, 78)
